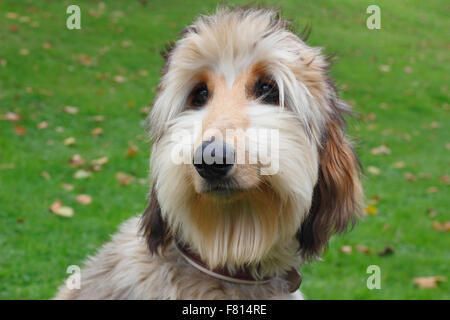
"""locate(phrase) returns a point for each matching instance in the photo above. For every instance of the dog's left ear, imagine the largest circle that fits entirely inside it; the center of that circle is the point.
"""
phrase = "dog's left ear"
(153, 226)
(337, 195)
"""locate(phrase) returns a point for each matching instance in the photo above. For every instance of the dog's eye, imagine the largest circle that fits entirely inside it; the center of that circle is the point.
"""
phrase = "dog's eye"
(200, 96)
(267, 91)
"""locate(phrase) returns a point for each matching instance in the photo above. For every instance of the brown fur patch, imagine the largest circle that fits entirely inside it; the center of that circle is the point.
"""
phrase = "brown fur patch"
(337, 196)
(153, 226)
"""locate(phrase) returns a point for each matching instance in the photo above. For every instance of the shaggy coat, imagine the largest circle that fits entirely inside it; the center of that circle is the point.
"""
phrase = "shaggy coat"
(232, 74)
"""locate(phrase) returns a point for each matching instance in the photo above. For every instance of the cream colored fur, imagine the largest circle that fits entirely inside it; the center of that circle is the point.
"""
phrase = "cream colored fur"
(124, 269)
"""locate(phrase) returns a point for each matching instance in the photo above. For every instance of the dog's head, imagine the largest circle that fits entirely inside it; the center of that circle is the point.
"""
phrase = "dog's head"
(250, 162)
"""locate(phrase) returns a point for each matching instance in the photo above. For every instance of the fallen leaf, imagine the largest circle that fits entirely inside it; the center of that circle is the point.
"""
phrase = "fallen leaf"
(60, 210)
(126, 43)
(387, 251)
(132, 150)
(123, 178)
(372, 210)
(145, 110)
(71, 110)
(85, 60)
(399, 164)
(445, 179)
(45, 175)
(20, 130)
(434, 125)
(98, 118)
(97, 131)
(432, 189)
(346, 249)
(384, 68)
(380, 150)
(11, 116)
(373, 170)
(69, 141)
(431, 213)
(445, 226)
(24, 51)
(428, 282)
(46, 45)
(4, 166)
(423, 175)
(66, 186)
(362, 248)
(83, 199)
(13, 28)
(100, 161)
(374, 200)
(119, 79)
(82, 174)
(143, 73)
(42, 125)
(11, 15)
(408, 69)
(76, 160)
(59, 129)
(409, 176)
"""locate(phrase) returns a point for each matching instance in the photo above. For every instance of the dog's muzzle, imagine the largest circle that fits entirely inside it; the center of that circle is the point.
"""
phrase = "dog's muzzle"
(214, 160)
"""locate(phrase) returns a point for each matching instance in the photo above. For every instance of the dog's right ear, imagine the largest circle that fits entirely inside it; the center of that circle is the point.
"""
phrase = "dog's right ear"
(153, 226)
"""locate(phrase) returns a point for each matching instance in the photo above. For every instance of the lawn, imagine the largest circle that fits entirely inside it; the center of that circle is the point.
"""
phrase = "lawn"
(397, 78)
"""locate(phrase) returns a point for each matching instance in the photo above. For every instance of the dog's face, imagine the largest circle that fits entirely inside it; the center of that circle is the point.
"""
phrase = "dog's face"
(249, 157)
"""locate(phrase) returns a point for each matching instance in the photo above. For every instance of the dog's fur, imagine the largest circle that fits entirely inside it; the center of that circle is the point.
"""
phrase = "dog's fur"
(275, 222)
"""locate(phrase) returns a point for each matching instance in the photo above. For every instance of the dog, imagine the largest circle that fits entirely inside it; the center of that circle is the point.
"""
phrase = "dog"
(218, 225)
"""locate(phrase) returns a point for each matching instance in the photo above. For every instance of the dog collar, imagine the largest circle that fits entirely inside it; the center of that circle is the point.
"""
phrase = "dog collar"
(241, 277)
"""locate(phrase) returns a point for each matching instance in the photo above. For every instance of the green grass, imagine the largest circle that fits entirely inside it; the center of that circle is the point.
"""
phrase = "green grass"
(36, 246)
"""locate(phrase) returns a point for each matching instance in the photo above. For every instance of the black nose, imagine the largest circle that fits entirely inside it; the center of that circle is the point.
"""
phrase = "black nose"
(213, 159)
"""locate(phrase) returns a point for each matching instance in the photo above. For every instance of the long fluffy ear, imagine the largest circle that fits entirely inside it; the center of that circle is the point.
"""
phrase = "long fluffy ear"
(337, 196)
(153, 226)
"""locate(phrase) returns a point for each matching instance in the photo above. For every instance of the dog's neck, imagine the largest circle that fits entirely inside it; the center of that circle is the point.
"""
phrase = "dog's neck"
(241, 276)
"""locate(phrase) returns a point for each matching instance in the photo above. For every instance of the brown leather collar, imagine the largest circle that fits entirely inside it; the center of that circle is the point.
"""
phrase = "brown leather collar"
(242, 276)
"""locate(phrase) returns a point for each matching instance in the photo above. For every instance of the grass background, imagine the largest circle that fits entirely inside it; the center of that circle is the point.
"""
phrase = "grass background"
(396, 77)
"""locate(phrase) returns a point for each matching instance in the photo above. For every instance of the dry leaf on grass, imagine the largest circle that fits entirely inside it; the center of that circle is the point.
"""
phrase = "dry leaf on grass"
(428, 282)
(119, 79)
(66, 186)
(363, 248)
(399, 164)
(99, 161)
(11, 116)
(123, 178)
(444, 226)
(60, 210)
(432, 190)
(371, 210)
(84, 199)
(82, 174)
(71, 110)
(373, 170)
(45, 175)
(346, 249)
(386, 251)
(97, 131)
(409, 176)
(69, 141)
(76, 160)
(445, 179)
(20, 130)
(42, 125)
(380, 150)
(132, 150)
